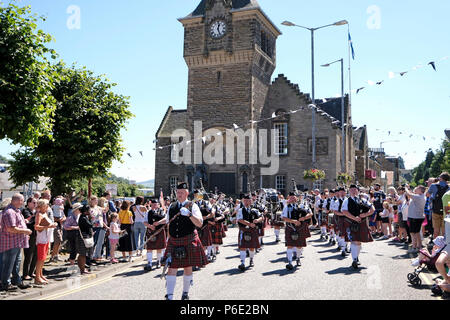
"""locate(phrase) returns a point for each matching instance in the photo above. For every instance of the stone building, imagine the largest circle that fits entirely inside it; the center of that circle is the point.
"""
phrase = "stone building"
(230, 50)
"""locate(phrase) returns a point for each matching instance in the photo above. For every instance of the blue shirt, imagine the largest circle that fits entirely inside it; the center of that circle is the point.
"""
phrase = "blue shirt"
(433, 188)
(112, 207)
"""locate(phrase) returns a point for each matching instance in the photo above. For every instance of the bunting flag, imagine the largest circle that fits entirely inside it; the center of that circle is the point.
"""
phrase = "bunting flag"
(129, 155)
(235, 126)
(433, 64)
(380, 82)
(141, 153)
(358, 90)
(403, 73)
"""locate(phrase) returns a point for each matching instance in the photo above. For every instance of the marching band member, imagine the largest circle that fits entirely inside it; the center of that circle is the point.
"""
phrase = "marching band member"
(277, 222)
(357, 210)
(155, 222)
(331, 223)
(184, 248)
(205, 230)
(342, 238)
(247, 219)
(320, 207)
(261, 226)
(295, 234)
(216, 226)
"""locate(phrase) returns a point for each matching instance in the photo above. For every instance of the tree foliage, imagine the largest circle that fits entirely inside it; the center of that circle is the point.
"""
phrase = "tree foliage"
(26, 78)
(435, 163)
(86, 132)
(124, 189)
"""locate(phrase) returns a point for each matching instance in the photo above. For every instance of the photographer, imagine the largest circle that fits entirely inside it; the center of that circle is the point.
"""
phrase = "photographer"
(416, 216)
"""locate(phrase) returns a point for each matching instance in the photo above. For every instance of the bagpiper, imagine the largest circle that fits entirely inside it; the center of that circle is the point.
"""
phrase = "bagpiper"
(341, 223)
(322, 216)
(216, 226)
(357, 210)
(247, 219)
(184, 248)
(262, 225)
(156, 234)
(277, 221)
(331, 222)
(296, 232)
(205, 231)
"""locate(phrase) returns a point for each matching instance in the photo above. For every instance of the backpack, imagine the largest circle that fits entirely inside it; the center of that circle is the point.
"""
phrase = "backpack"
(438, 207)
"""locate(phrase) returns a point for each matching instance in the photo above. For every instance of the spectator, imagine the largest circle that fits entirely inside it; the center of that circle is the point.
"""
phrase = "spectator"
(112, 206)
(416, 216)
(379, 198)
(393, 197)
(435, 192)
(99, 226)
(30, 253)
(59, 218)
(103, 204)
(126, 221)
(14, 236)
(47, 195)
(44, 230)
(71, 226)
(114, 236)
(403, 203)
(139, 229)
(428, 210)
(385, 219)
(5, 203)
(37, 195)
(85, 231)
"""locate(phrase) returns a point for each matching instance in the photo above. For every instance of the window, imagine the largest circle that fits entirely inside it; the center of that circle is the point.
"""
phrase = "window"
(281, 138)
(173, 181)
(265, 44)
(318, 185)
(244, 182)
(175, 154)
(281, 183)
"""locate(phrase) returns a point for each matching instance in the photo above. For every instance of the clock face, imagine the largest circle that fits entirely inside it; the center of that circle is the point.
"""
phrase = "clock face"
(218, 29)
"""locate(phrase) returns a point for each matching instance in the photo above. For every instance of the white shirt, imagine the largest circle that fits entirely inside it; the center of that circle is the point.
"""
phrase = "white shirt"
(345, 204)
(240, 216)
(195, 211)
(140, 214)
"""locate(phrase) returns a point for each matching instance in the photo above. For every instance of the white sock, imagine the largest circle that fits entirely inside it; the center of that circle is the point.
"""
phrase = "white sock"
(277, 233)
(206, 251)
(297, 252)
(354, 251)
(159, 255)
(149, 257)
(260, 240)
(252, 254)
(171, 281)
(243, 256)
(187, 282)
(210, 250)
(289, 255)
(323, 230)
(359, 249)
(342, 243)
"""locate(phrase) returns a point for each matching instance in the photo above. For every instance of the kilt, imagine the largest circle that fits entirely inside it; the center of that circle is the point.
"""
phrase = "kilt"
(363, 235)
(343, 225)
(331, 222)
(205, 236)
(222, 226)
(195, 253)
(301, 241)
(217, 235)
(261, 228)
(305, 226)
(160, 242)
(253, 243)
(126, 242)
(225, 227)
(323, 219)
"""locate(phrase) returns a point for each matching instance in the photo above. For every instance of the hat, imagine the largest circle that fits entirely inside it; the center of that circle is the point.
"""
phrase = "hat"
(154, 201)
(332, 191)
(196, 191)
(354, 186)
(341, 189)
(76, 206)
(84, 209)
(291, 194)
(182, 185)
(377, 184)
(166, 198)
(254, 194)
(246, 196)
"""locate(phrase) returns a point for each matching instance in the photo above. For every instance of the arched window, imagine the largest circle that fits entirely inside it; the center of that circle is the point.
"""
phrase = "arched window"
(245, 182)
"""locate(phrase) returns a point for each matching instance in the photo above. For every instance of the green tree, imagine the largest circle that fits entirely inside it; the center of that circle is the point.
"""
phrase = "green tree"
(86, 132)
(26, 105)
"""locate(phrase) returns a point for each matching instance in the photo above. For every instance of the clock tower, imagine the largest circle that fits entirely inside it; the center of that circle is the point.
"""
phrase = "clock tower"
(230, 50)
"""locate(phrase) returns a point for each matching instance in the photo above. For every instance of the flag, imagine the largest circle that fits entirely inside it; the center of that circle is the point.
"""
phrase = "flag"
(129, 155)
(380, 82)
(141, 153)
(351, 45)
(357, 91)
(433, 64)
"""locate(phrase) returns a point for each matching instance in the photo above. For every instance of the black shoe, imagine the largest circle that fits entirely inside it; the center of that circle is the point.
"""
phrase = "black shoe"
(167, 296)
(24, 286)
(217, 252)
(347, 250)
(9, 287)
(277, 240)
(185, 296)
(242, 267)
(289, 266)
(251, 263)
(248, 254)
(148, 267)
(338, 248)
(294, 257)
(355, 265)
(343, 253)
(158, 265)
(357, 260)
(298, 262)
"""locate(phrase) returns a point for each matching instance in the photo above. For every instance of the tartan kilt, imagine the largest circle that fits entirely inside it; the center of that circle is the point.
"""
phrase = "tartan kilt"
(324, 219)
(205, 236)
(222, 229)
(305, 226)
(160, 242)
(217, 235)
(195, 253)
(277, 223)
(300, 242)
(261, 228)
(331, 222)
(252, 244)
(343, 225)
(363, 235)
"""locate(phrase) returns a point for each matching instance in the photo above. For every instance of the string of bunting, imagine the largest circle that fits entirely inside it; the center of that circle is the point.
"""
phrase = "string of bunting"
(393, 75)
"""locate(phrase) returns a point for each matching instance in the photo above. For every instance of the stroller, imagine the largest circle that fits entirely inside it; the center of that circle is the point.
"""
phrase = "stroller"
(427, 261)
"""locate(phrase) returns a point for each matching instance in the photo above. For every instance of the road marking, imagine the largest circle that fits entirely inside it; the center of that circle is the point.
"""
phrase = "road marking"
(84, 287)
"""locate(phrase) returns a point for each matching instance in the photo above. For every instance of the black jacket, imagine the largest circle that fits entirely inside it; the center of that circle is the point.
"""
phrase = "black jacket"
(85, 226)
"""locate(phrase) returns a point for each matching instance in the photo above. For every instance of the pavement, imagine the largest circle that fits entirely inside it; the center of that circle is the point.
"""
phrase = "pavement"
(324, 275)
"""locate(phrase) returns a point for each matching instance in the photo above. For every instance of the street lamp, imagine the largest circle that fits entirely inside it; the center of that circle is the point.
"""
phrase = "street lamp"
(291, 24)
(343, 164)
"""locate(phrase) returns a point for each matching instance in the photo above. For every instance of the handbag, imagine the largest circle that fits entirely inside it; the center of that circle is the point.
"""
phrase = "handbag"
(88, 242)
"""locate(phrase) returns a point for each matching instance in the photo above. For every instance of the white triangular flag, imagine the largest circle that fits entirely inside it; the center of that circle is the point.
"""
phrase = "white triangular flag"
(235, 126)
(204, 139)
(371, 83)
(274, 115)
(324, 100)
(219, 133)
(391, 75)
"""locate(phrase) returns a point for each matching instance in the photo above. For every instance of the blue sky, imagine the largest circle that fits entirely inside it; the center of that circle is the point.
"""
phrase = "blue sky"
(139, 45)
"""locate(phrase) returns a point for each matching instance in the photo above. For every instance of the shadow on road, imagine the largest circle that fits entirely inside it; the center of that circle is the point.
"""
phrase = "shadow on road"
(335, 257)
(230, 272)
(329, 250)
(282, 259)
(233, 257)
(345, 271)
(404, 256)
(280, 272)
(230, 245)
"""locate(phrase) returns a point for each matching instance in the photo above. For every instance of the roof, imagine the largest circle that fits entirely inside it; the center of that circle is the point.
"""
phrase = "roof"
(173, 120)
(360, 137)
(333, 106)
(236, 5)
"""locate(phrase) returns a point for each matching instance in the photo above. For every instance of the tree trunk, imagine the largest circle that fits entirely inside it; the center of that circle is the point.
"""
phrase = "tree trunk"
(89, 188)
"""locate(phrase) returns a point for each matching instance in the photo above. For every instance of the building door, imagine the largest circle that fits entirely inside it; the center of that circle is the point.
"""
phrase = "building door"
(225, 182)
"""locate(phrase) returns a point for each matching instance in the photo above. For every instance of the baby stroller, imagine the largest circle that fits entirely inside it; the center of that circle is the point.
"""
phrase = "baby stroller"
(427, 261)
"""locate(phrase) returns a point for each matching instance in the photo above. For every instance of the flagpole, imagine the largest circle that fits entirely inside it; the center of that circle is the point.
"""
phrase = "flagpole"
(349, 92)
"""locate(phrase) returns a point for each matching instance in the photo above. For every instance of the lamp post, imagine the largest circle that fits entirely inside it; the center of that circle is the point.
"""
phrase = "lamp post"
(343, 164)
(291, 24)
